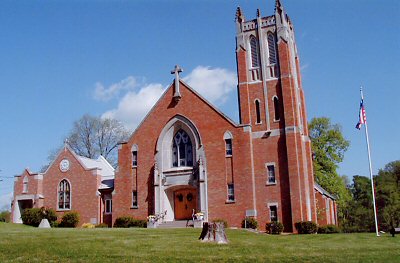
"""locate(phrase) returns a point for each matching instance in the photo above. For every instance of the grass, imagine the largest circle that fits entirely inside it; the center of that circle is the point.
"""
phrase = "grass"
(20, 243)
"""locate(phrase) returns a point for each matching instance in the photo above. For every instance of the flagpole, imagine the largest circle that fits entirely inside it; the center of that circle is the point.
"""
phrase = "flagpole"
(370, 170)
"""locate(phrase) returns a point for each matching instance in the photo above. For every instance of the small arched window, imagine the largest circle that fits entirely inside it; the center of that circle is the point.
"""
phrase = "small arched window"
(228, 143)
(182, 150)
(254, 52)
(258, 112)
(276, 108)
(64, 195)
(271, 49)
(134, 150)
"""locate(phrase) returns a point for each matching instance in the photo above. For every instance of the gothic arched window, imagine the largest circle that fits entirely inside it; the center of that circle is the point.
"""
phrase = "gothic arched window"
(182, 150)
(64, 195)
(271, 49)
(254, 52)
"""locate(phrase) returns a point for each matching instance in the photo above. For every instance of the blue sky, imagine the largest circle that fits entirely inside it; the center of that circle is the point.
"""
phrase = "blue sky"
(62, 59)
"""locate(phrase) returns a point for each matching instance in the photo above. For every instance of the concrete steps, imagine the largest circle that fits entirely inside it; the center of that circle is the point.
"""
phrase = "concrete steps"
(176, 224)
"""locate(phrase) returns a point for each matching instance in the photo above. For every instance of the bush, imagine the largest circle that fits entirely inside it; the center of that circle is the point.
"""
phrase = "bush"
(5, 216)
(219, 220)
(274, 228)
(102, 225)
(328, 229)
(250, 222)
(88, 225)
(69, 219)
(127, 221)
(306, 227)
(33, 216)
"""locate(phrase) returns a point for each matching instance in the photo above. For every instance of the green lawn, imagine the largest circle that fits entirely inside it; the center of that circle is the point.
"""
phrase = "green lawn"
(20, 243)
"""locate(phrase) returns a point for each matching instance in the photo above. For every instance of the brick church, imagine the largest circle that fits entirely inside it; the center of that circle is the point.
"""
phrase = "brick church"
(187, 156)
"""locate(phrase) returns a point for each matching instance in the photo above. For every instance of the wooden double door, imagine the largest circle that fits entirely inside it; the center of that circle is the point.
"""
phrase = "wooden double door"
(185, 202)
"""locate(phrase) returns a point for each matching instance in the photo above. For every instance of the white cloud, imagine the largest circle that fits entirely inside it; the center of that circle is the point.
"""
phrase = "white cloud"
(105, 94)
(214, 84)
(134, 106)
(5, 201)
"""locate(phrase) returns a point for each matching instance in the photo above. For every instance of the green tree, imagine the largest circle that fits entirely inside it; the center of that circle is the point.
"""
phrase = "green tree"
(388, 195)
(359, 213)
(328, 146)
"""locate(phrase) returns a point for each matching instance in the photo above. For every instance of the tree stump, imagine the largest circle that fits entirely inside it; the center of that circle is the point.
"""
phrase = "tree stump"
(213, 232)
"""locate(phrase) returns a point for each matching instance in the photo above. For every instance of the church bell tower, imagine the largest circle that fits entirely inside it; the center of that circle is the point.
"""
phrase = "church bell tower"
(271, 102)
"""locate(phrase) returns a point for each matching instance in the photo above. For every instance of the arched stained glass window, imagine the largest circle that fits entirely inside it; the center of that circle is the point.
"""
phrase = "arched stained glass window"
(64, 195)
(254, 52)
(271, 49)
(182, 150)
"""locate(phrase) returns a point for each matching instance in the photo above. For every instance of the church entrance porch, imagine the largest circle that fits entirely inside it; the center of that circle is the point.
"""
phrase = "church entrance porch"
(21, 205)
(185, 203)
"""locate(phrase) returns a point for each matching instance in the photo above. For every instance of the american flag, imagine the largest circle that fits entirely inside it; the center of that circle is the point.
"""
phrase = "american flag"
(362, 118)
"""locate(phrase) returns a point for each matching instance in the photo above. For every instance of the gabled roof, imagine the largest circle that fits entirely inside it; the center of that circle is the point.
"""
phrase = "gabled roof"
(101, 164)
(194, 92)
(323, 191)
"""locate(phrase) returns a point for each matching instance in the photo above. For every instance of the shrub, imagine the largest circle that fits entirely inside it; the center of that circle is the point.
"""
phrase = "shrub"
(219, 220)
(328, 229)
(306, 227)
(69, 219)
(102, 225)
(274, 228)
(127, 221)
(88, 225)
(33, 216)
(250, 222)
(5, 216)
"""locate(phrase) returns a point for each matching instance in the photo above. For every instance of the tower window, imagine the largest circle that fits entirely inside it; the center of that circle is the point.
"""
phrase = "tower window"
(258, 113)
(273, 213)
(64, 195)
(254, 52)
(276, 108)
(231, 192)
(271, 49)
(271, 174)
(182, 150)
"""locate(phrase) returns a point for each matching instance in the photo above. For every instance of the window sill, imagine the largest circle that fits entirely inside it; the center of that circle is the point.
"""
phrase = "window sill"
(277, 120)
(63, 210)
(108, 214)
(258, 123)
(271, 183)
(134, 207)
(228, 155)
(230, 201)
(134, 166)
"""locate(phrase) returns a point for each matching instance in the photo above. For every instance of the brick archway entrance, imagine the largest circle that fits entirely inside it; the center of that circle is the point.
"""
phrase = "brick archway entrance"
(185, 201)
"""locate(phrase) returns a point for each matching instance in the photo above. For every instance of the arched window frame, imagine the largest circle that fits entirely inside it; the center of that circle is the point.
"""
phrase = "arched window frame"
(254, 53)
(25, 184)
(228, 143)
(277, 114)
(182, 151)
(257, 105)
(134, 150)
(64, 195)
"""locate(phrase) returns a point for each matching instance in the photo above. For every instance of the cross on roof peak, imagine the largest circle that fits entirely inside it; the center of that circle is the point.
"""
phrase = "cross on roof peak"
(176, 71)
